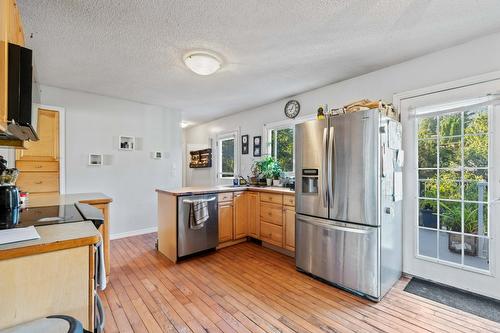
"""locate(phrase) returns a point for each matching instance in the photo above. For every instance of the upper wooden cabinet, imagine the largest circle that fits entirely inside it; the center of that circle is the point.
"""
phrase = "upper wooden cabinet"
(47, 148)
(11, 31)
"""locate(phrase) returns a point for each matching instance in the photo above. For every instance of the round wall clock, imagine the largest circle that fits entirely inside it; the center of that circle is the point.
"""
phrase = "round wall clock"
(292, 109)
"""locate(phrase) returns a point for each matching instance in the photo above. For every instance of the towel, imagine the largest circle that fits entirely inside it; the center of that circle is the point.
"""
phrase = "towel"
(198, 214)
(101, 266)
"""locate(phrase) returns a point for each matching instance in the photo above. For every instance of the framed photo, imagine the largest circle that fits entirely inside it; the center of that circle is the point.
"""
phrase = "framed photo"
(244, 144)
(126, 142)
(257, 145)
(95, 159)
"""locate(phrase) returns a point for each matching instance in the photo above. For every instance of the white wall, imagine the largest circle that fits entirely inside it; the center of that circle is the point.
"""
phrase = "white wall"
(475, 57)
(93, 124)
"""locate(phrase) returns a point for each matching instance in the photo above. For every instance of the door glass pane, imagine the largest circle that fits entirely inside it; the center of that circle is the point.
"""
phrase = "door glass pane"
(427, 183)
(453, 187)
(476, 121)
(476, 218)
(450, 125)
(476, 251)
(427, 213)
(476, 185)
(450, 247)
(450, 185)
(427, 127)
(427, 153)
(450, 155)
(476, 151)
(427, 240)
(450, 215)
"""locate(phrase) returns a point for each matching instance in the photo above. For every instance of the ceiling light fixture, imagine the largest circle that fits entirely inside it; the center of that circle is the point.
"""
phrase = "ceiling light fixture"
(202, 63)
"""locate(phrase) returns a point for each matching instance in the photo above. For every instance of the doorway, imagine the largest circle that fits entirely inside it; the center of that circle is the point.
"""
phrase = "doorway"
(452, 185)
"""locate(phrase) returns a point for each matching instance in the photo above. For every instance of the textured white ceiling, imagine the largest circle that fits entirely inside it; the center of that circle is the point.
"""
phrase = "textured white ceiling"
(133, 49)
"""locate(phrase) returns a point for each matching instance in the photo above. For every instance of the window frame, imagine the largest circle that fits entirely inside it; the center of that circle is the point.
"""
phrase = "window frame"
(287, 123)
(274, 153)
(233, 135)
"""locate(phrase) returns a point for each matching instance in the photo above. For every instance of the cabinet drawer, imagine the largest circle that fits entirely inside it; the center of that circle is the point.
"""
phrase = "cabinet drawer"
(38, 182)
(289, 200)
(271, 213)
(271, 197)
(271, 233)
(225, 197)
(38, 166)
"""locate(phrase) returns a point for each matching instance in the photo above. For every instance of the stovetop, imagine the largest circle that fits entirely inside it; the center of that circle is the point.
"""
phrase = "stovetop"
(38, 216)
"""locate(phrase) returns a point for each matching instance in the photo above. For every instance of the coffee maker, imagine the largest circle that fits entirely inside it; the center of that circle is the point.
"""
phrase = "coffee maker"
(9, 196)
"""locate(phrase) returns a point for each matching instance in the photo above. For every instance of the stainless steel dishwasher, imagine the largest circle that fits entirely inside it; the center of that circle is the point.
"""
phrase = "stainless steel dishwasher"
(190, 240)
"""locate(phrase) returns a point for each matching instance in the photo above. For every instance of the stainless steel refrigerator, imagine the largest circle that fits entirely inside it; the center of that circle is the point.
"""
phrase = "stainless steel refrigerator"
(348, 201)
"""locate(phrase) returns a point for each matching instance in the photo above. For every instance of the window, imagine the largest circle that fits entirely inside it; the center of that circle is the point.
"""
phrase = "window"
(453, 175)
(227, 167)
(281, 147)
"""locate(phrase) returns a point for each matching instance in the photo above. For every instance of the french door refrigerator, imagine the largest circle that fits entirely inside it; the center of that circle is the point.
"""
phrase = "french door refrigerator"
(348, 201)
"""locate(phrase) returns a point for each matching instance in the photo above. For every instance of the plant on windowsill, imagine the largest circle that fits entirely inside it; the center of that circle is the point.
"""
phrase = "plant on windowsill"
(269, 169)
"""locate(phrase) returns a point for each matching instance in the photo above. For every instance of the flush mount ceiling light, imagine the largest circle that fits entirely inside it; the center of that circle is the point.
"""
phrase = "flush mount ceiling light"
(202, 63)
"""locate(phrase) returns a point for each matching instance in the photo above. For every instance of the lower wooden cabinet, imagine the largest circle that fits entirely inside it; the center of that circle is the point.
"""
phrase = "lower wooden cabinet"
(289, 228)
(271, 233)
(225, 221)
(254, 215)
(240, 215)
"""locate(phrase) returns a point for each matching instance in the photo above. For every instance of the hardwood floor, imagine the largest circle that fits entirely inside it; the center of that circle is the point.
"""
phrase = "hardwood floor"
(247, 288)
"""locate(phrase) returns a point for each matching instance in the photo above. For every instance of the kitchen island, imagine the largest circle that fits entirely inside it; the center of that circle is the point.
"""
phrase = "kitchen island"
(49, 275)
(96, 199)
(266, 214)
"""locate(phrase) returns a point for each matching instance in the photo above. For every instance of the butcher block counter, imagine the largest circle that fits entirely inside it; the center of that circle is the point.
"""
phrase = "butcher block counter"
(262, 213)
(49, 275)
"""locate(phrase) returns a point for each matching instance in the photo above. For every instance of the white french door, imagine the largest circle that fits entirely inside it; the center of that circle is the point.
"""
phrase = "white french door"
(451, 214)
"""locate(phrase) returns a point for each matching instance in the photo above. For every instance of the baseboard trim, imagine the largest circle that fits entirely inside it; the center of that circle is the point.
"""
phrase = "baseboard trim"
(133, 233)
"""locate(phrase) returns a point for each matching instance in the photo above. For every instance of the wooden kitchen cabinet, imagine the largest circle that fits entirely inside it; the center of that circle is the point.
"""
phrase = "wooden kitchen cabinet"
(289, 228)
(225, 221)
(253, 215)
(240, 215)
(271, 233)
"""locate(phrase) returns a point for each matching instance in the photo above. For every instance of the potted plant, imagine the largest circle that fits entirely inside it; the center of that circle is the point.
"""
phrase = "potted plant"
(269, 169)
(276, 173)
(451, 220)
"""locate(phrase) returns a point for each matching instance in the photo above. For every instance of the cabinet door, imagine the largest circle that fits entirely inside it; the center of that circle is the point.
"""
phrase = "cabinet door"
(225, 222)
(240, 215)
(289, 228)
(253, 215)
(47, 148)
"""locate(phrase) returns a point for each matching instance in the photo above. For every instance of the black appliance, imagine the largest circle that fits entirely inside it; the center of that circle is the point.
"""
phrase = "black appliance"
(39, 216)
(9, 206)
(20, 85)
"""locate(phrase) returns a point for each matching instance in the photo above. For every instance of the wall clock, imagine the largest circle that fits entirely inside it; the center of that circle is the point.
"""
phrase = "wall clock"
(292, 109)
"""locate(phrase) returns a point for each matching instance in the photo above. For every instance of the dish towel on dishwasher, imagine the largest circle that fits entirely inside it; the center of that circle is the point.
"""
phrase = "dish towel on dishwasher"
(101, 267)
(198, 214)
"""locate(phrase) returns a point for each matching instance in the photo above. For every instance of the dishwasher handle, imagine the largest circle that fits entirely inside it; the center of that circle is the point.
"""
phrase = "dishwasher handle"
(187, 201)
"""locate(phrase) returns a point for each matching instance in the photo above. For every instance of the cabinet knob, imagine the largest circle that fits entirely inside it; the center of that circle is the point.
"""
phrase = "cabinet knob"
(38, 183)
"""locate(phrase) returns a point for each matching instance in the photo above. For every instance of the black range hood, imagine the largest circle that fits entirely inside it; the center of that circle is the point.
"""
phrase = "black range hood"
(20, 85)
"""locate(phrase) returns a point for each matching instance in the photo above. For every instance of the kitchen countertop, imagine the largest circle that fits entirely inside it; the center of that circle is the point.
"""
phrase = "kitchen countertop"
(53, 238)
(221, 189)
(55, 199)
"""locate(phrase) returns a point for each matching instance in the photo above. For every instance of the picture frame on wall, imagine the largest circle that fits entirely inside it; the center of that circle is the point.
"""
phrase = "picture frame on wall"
(257, 146)
(244, 144)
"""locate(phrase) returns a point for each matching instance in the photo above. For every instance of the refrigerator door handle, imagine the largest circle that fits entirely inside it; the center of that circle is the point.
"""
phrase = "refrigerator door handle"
(331, 164)
(330, 226)
(324, 167)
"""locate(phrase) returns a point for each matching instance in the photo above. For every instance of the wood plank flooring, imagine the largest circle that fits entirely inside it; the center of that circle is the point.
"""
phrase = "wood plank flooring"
(247, 288)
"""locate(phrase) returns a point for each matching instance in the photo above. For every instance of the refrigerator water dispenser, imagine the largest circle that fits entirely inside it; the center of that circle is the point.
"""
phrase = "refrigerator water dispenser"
(310, 181)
